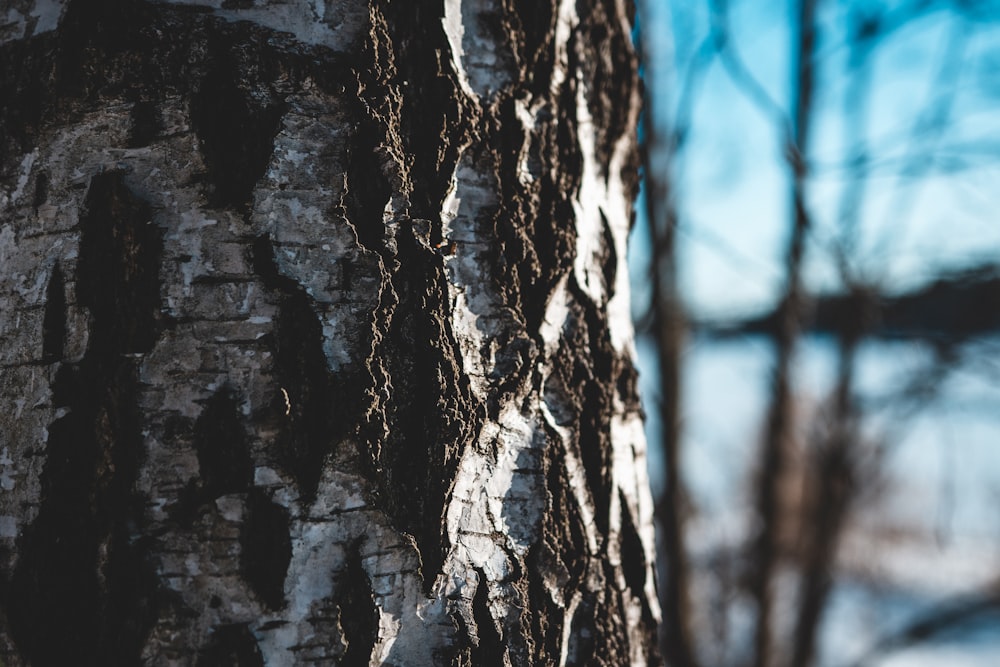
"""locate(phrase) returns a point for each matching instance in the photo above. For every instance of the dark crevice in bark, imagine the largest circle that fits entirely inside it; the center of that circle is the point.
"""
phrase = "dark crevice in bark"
(265, 267)
(231, 646)
(633, 558)
(566, 141)
(627, 385)
(536, 246)
(265, 548)
(359, 614)
(311, 406)
(609, 267)
(611, 639)
(490, 647)
(517, 265)
(543, 621)
(595, 452)
(582, 632)
(587, 352)
(54, 319)
(611, 70)
(537, 239)
(368, 189)
(559, 558)
(316, 407)
(434, 120)
(563, 526)
(460, 653)
(431, 414)
(236, 127)
(548, 239)
(532, 29)
(83, 591)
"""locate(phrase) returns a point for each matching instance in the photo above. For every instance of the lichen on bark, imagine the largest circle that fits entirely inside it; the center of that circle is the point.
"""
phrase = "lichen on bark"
(317, 338)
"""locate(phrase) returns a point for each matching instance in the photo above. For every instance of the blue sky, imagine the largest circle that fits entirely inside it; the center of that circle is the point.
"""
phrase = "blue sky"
(931, 130)
(930, 203)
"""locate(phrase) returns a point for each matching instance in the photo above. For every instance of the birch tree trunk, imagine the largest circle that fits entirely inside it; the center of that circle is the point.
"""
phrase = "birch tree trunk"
(316, 342)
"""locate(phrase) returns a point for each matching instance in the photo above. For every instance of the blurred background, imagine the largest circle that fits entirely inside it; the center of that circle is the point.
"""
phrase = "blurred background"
(816, 279)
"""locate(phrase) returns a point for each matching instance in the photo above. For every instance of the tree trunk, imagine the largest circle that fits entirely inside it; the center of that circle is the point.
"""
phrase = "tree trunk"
(315, 335)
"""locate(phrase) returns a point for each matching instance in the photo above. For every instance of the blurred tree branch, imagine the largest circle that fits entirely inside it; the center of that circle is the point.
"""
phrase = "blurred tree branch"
(947, 616)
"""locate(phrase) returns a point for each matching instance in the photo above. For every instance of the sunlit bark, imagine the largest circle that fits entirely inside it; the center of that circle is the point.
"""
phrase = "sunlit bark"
(316, 335)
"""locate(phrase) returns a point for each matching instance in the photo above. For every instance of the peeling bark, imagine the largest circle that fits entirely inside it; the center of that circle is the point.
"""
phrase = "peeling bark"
(316, 331)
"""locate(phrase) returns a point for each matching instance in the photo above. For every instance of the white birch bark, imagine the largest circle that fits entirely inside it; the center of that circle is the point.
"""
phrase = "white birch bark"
(316, 335)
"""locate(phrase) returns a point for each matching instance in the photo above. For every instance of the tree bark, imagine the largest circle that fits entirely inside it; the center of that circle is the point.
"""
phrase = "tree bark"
(316, 338)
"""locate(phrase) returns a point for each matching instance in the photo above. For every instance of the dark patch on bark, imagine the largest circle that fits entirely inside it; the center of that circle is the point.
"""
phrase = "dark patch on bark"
(146, 123)
(118, 270)
(54, 319)
(320, 406)
(264, 265)
(112, 27)
(301, 370)
(109, 51)
(220, 440)
(595, 452)
(231, 646)
(265, 548)
(236, 127)
(83, 591)
(224, 462)
(41, 190)
(25, 67)
(359, 614)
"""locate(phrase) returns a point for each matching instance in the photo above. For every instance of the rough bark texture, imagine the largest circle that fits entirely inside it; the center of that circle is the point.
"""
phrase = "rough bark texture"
(315, 335)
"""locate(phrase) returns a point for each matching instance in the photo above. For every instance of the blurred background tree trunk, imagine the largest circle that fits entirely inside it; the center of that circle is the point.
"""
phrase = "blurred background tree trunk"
(817, 310)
